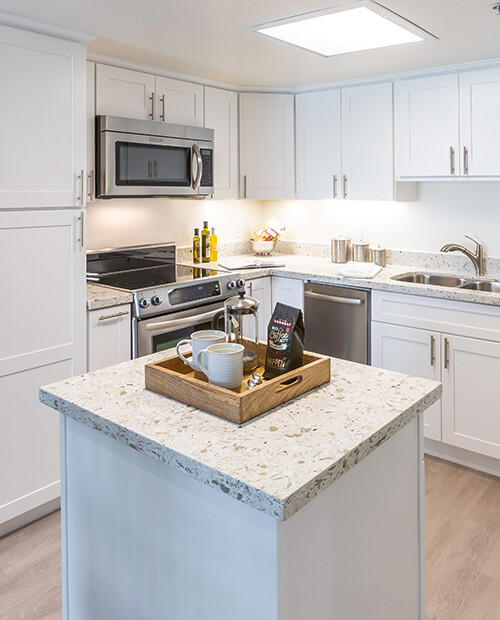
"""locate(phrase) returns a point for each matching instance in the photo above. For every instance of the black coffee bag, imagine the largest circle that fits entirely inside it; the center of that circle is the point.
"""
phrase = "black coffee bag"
(285, 341)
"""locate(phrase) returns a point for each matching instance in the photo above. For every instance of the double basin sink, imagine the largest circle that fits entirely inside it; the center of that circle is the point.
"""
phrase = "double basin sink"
(433, 279)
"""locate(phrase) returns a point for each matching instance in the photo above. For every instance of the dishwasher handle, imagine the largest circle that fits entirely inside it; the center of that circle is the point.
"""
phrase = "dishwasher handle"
(335, 298)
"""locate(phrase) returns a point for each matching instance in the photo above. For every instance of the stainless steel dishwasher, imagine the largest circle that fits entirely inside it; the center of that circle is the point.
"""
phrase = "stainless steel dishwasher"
(337, 321)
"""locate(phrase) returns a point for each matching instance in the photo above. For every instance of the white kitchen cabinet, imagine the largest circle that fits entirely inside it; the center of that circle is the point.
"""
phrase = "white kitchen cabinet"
(267, 146)
(42, 120)
(470, 394)
(480, 122)
(415, 352)
(260, 289)
(426, 127)
(178, 102)
(221, 114)
(43, 341)
(367, 143)
(122, 92)
(109, 334)
(91, 168)
(318, 144)
(288, 291)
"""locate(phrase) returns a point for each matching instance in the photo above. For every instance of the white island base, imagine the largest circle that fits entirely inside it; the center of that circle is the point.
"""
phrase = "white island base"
(143, 541)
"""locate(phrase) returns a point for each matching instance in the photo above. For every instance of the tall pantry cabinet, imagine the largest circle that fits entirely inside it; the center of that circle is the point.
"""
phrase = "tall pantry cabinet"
(42, 256)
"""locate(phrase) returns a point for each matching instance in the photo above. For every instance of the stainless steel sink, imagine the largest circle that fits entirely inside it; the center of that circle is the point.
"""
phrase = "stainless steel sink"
(482, 285)
(431, 279)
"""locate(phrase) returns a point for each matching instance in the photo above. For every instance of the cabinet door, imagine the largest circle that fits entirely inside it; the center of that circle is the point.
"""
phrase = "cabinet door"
(288, 291)
(108, 336)
(426, 127)
(266, 146)
(90, 189)
(221, 114)
(42, 336)
(367, 145)
(413, 352)
(260, 289)
(42, 120)
(471, 417)
(318, 143)
(480, 122)
(179, 102)
(121, 92)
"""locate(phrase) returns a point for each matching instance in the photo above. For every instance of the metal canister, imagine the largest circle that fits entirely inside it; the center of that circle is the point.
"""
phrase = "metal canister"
(361, 252)
(341, 250)
(379, 256)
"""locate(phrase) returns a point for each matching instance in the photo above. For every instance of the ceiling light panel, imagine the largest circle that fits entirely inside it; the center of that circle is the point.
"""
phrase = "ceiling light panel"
(343, 29)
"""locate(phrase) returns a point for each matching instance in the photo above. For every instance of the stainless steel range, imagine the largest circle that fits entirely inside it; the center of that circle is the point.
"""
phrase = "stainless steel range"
(170, 300)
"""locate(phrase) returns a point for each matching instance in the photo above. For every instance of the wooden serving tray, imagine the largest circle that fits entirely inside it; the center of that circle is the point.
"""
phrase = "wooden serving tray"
(171, 377)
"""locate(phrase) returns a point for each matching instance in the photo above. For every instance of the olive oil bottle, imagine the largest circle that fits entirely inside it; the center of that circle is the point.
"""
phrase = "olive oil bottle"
(213, 247)
(196, 246)
(205, 243)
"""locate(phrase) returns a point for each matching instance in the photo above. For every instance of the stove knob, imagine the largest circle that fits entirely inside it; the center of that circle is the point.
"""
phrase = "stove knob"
(240, 283)
(156, 300)
(144, 303)
(231, 285)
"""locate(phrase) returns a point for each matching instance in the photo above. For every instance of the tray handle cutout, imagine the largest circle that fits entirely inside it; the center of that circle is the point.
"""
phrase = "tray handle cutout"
(288, 384)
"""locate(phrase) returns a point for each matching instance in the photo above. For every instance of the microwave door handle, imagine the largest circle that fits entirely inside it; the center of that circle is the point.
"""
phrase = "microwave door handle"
(189, 320)
(197, 154)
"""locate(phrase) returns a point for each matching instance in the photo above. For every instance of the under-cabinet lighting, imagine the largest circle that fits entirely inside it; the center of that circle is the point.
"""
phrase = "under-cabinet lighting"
(353, 27)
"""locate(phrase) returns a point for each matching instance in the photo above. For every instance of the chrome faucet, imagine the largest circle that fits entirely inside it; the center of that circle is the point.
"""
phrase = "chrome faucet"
(477, 258)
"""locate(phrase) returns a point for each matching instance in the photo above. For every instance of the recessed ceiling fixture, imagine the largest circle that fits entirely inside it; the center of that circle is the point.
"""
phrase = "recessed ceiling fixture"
(353, 27)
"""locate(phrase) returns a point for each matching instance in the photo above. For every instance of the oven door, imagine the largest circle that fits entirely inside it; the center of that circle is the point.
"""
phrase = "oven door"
(138, 165)
(163, 332)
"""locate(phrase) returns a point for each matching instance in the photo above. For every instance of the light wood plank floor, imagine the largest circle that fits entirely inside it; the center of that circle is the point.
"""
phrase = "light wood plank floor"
(462, 558)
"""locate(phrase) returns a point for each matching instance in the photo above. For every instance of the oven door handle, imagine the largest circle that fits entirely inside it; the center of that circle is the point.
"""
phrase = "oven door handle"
(189, 320)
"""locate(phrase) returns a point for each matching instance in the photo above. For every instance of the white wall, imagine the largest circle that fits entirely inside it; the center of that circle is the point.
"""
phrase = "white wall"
(112, 223)
(444, 213)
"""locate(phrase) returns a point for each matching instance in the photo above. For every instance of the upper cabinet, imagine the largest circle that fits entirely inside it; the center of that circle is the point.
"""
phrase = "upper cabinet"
(480, 122)
(42, 121)
(448, 126)
(267, 146)
(133, 94)
(221, 114)
(318, 144)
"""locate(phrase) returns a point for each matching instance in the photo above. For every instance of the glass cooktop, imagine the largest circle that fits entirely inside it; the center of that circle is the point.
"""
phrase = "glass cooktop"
(153, 277)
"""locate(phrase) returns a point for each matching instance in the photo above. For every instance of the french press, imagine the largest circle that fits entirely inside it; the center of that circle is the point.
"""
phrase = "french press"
(241, 324)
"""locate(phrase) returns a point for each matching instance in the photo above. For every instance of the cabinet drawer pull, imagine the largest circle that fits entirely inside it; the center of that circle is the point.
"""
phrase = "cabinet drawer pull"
(162, 114)
(446, 348)
(105, 317)
(466, 160)
(335, 186)
(452, 160)
(152, 113)
(244, 186)
(344, 191)
(433, 356)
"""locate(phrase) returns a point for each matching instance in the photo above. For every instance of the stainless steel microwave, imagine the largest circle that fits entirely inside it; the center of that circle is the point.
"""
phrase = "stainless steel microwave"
(148, 158)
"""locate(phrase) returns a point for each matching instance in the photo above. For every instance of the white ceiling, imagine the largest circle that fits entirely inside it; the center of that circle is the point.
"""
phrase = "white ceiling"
(205, 38)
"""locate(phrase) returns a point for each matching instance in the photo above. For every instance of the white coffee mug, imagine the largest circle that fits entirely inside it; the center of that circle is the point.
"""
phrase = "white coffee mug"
(222, 364)
(199, 341)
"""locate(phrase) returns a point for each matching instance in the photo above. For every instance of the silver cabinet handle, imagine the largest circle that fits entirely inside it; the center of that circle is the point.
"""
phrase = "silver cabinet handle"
(189, 320)
(91, 186)
(433, 356)
(335, 186)
(152, 113)
(244, 186)
(105, 317)
(344, 189)
(81, 237)
(466, 160)
(81, 178)
(446, 349)
(452, 160)
(197, 154)
(335, 299)
(162, 114)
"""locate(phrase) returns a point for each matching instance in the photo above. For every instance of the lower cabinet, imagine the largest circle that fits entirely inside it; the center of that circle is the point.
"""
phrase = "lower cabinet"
(288, 291)
(108, 336)
(413, 352)
(260, 289)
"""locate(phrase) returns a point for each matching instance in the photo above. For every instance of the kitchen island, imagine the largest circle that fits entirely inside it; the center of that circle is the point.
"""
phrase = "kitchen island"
(312, 510)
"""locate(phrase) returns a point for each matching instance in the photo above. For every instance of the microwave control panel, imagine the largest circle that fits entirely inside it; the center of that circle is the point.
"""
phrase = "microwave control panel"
(207, 177)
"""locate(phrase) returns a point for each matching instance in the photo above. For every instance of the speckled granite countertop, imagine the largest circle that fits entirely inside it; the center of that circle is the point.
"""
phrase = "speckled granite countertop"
(99, 296)
(276, 463)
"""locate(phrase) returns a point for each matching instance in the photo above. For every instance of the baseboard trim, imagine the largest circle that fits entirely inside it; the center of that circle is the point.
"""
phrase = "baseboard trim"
(32, 515)
(463, 457)
(27, 503)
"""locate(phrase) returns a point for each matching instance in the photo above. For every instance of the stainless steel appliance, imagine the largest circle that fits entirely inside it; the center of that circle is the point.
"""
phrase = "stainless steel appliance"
(337, 321)
(149, 158)
(170, 301)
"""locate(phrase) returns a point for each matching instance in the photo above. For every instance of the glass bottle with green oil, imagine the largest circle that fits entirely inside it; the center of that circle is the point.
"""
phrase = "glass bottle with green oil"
(205, 243)
(196, 245)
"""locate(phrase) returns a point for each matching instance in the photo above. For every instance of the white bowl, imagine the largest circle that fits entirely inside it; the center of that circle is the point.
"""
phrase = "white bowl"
(263, 248)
